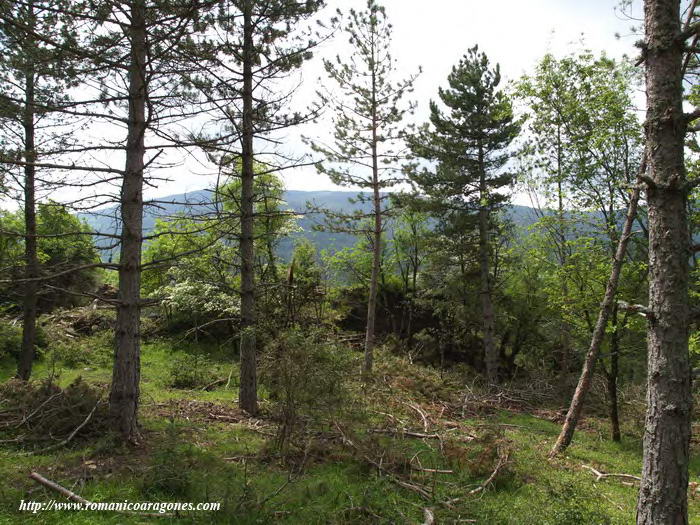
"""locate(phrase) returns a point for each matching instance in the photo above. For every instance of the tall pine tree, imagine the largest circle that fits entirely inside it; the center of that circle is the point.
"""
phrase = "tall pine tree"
(263, 44)
(36, 78)
(466, 147)
(368, 144)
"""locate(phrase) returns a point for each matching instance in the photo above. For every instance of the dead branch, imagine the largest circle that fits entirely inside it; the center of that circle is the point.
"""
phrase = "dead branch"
(403, 433)
(433, 470)
(213, 384)
(58, 488)
(27, 418)
(72, 496)
(502, 460)
(418, 435)
(422, 414)
(422, 491)
(636, 308)
(602, 475)
(72, 434)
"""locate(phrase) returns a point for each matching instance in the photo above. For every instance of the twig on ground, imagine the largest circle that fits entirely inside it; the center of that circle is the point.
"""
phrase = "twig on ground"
(422, 414)
(602, 475)
(72, 496)
(502, 460)
(213, 384)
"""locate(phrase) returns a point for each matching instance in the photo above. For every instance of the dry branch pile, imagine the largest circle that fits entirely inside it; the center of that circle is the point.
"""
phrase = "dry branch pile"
(43, 416)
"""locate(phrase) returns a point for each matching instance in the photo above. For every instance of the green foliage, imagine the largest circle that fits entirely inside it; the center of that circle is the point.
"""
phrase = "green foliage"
(307, 375)
(170, 473)
(467, 143)
(190, 371)
(198, 276)
(10, 339)
(63, 245)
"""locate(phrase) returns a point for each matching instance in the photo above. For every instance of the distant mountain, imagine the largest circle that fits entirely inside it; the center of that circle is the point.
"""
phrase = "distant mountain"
(106, 220)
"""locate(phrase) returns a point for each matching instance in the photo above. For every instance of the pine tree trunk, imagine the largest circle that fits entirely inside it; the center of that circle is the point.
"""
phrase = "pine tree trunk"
(491, 356)
(663, 490)
(584, 382)
(124, 395)
(377, 241)
(374, 280)
(248, 390)
(31, 260)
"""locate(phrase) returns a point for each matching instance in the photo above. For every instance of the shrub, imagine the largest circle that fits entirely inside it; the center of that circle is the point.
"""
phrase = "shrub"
(191, 371)
(10, 339)
(171, 466)
(307, 377)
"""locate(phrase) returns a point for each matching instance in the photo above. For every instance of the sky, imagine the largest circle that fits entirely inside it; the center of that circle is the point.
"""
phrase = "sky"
(432, 35)
(435, 35)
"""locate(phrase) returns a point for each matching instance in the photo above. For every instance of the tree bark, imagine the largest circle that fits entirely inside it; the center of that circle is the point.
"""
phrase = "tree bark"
(491, 356)
(663, 490)
(31, 260)
(124, 395)
(248, 390)
(584, 382)
(370, 334)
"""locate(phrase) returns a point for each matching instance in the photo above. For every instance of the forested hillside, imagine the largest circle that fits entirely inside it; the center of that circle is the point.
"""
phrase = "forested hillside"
(308, 223)
(409, 344)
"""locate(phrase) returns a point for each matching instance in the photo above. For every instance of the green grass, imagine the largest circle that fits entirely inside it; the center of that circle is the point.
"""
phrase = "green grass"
(199, 460)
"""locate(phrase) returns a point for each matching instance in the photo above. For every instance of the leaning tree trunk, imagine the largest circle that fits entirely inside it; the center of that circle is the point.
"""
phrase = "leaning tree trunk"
(370, 334)
(248, 389)
(124, 395)
(663, 491)
(31, 260)
(584, 382)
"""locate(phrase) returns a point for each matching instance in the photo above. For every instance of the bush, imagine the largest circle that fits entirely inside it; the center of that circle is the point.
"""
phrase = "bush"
(307, 377)
(171, 466)
(10, 339)
(191, 371)
(94, 350)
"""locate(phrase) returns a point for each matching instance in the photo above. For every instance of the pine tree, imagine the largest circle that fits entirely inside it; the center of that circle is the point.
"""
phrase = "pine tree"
(265, 44)
(368, 146)
(467, 148)
(663, 492)
(35, 78)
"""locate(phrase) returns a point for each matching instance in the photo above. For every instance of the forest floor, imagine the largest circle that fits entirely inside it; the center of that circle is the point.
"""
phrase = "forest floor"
(421, 446)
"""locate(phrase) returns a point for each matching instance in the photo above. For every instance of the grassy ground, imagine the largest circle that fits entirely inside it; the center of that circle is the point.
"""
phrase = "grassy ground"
(198, 447)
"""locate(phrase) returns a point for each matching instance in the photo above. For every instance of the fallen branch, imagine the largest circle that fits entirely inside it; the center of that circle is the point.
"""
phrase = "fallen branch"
(502, 460)
(419, 435)
(602, 475)
(422, 414)
(404, 433)
(27, 418)
(410, 486)
(214, 383)
(58, 488)
(72, 496)
(433, 470)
